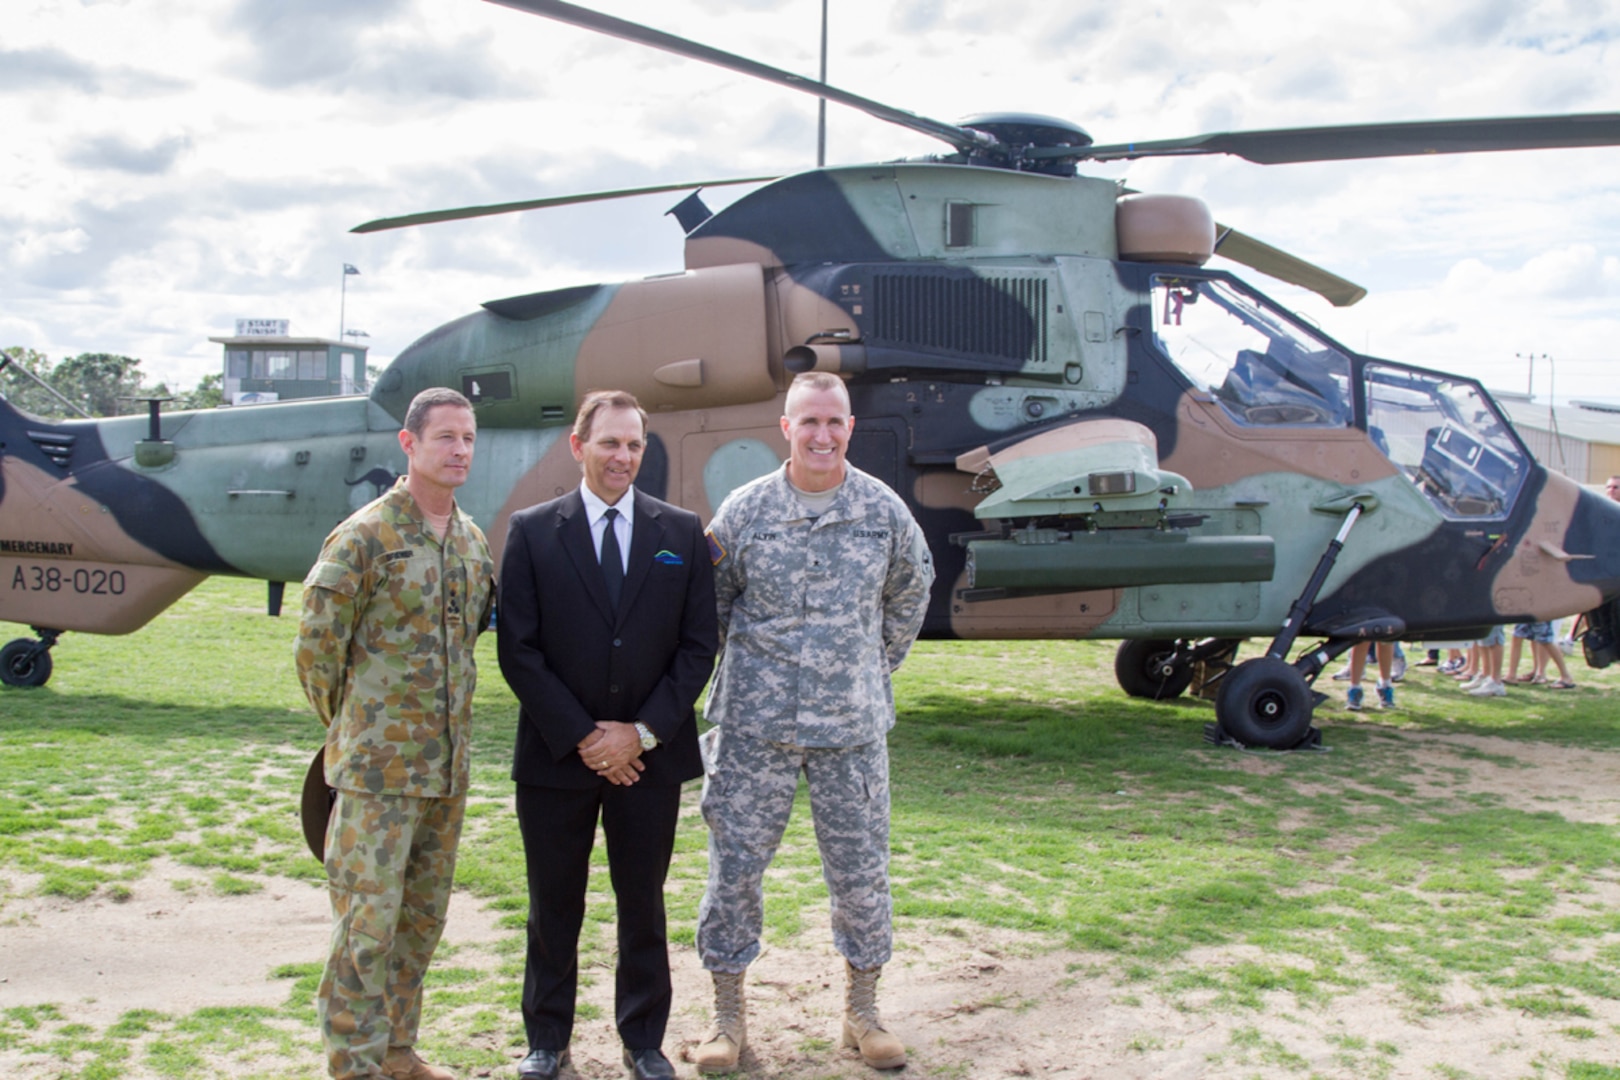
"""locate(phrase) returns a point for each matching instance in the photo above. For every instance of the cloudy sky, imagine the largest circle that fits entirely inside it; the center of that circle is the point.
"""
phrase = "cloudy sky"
(173, 165)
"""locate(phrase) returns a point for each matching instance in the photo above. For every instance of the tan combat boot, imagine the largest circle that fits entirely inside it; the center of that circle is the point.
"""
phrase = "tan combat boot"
(401, 1063)
(863, 1028)
(719, 1053)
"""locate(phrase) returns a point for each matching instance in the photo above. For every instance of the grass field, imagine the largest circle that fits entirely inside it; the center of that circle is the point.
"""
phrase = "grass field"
(1031, 800)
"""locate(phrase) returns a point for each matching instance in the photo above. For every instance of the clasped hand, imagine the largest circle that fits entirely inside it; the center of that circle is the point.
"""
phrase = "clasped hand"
(613, 751)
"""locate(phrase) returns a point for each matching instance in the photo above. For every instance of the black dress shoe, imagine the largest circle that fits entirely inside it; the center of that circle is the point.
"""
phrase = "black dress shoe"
(543, 1064)
(649, 1064)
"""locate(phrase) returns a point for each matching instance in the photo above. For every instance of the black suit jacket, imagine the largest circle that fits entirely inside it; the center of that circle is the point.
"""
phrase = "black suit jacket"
(572, 661)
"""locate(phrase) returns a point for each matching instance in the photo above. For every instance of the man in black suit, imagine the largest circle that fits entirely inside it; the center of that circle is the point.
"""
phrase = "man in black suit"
(607, 635)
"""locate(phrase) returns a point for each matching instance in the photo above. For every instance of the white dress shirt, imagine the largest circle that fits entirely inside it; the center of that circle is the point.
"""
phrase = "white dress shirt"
(596, 513)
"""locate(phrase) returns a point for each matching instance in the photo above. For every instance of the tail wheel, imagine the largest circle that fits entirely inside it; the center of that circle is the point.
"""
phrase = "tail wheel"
(1265, 702)
(1147, 669)
(25, 663)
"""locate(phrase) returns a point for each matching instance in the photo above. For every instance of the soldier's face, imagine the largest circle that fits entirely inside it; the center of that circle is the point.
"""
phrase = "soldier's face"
(442, 454)
(610, 453)
(817, 426)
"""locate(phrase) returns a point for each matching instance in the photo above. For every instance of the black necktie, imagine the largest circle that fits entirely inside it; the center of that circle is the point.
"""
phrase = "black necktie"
(612, 561)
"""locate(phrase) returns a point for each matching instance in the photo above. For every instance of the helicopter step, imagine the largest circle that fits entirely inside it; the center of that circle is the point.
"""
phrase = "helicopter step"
(1268, 701)
(25, 662)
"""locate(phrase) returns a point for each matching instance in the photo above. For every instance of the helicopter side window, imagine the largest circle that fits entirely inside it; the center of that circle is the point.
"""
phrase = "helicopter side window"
(1448, 438)
(1263, 369)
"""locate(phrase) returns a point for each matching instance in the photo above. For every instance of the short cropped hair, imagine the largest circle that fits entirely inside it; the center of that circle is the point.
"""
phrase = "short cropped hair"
(597, 400)
(809, 381)
(416, 416)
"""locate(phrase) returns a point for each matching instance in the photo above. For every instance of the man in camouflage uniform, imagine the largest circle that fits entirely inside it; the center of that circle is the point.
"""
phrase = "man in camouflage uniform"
(821, 582)
(392, 611)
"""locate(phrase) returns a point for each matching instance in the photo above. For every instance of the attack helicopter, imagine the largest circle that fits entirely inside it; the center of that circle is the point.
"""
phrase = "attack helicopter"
(1102, 436)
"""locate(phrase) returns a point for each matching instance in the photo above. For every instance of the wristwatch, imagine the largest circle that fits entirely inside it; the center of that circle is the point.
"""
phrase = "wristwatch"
(648, 739)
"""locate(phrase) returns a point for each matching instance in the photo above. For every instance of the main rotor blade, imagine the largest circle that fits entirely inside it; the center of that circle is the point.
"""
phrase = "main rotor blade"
(961, 138)
(1277, 263)
(1284, 146)
(464, 212)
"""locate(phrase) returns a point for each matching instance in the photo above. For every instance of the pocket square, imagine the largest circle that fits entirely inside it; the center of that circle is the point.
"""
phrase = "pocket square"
(669, 558)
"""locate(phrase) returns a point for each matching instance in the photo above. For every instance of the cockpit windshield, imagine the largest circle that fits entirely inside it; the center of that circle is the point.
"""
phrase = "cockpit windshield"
(1263, 369)
(1443, 432)
(1448, 437)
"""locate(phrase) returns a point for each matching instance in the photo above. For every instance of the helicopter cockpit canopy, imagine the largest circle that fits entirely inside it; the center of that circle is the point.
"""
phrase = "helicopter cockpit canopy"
(1263, 369)
(1448, 437)
(1444, 432)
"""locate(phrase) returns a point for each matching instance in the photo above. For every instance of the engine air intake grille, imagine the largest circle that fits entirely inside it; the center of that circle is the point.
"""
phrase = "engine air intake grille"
(982, 316)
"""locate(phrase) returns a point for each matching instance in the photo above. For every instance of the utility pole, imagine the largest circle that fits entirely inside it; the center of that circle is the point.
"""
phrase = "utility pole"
(1530, 385)
(1554, 436)
(1552, 417)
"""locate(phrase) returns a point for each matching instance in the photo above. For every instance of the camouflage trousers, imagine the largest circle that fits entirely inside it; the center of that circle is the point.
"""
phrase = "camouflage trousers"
(389, 863)
(747, 800)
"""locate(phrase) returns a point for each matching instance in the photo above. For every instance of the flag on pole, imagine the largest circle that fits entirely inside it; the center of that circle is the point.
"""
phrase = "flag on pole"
(350, 268)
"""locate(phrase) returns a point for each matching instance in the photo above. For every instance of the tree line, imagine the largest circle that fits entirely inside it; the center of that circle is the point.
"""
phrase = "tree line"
(102, 384)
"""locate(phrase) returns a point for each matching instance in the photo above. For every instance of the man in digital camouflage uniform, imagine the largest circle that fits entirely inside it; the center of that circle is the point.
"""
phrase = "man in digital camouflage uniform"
(392, 611)
(821, 582)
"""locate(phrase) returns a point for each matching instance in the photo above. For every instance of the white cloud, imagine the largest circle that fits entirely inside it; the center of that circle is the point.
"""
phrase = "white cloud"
(31, 249)
(1575, 271)
(174, 164)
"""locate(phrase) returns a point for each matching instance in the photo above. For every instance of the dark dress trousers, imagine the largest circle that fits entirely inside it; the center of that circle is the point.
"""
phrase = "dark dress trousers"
(572, 660)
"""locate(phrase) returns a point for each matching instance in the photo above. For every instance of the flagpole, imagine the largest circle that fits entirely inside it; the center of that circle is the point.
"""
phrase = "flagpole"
(343, 299)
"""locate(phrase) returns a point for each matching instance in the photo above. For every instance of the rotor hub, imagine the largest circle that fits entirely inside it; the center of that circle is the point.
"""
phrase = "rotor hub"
(1023, 132)
(1028, 129)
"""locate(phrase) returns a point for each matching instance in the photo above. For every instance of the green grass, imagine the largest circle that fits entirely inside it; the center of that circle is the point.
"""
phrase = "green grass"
(1031, 799)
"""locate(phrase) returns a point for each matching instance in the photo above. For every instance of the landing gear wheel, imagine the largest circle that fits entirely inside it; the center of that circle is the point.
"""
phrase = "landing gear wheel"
(1143, 669)
(1265, 702)
(24, 663)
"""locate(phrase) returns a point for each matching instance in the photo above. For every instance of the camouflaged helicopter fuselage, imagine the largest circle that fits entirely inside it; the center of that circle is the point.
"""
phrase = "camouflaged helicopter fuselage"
(969, 309)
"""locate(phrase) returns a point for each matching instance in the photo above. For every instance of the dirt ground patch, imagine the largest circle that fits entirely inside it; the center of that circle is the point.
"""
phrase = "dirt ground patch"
(172, 950)
(1579, 785)
(985, 1004)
